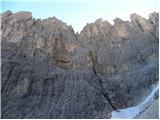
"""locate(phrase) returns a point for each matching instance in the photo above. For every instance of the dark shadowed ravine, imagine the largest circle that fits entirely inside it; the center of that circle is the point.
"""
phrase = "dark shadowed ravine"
(49, 71)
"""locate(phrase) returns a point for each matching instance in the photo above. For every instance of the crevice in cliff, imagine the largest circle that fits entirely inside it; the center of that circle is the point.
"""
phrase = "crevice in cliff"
(104, 93)
(93, 58)
(140, 26)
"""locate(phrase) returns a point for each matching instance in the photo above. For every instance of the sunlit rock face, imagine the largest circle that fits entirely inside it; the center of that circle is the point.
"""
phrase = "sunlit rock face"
(48, 71)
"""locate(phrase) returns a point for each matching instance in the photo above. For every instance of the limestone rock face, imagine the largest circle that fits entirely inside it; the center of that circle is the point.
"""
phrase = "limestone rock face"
(48, 71)
(140, 23)
(154, 18)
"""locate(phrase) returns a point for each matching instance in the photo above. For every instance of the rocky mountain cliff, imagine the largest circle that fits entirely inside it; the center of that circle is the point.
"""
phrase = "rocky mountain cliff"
(48, 71)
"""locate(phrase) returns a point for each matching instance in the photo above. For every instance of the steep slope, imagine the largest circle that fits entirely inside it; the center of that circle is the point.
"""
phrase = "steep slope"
(48, 71)
(132, 112)
(150, 113)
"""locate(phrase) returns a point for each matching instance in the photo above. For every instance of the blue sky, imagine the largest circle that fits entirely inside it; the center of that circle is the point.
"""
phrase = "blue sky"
(79, 12)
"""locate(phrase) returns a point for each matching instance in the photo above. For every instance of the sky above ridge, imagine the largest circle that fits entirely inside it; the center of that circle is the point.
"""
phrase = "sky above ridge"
(79, 12)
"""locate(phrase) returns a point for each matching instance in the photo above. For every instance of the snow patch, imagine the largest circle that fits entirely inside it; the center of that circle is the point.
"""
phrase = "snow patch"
(131, 112)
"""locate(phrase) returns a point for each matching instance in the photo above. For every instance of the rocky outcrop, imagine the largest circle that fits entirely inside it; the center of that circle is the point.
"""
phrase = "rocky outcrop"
(48, 71)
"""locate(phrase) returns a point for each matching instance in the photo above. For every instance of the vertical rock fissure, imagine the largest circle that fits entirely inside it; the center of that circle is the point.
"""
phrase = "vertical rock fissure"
(105, 94)
(140, 26)
(93, 58)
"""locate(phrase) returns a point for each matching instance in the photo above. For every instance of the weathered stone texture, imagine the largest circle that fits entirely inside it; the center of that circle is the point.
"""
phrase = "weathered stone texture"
(48, 71)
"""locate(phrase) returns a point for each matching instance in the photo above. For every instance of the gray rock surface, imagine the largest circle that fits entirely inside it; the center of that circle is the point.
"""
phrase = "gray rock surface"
(151, 112)
(48, 71)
